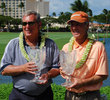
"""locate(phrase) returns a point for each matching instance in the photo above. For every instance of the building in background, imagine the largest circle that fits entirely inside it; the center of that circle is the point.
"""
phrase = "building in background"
(16, 8)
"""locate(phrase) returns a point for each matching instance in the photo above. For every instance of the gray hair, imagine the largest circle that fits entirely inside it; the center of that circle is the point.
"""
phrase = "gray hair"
(30, 12)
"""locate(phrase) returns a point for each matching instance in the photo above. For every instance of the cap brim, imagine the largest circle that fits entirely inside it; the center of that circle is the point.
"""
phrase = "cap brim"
(69, 21)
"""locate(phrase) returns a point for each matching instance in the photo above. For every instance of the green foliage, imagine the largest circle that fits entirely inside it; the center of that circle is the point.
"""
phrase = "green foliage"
(5, 90)
(58, 91)
(21, 5)
(3, 6)
(63, 18)
(4, 20)
(100, 18)
(106, 91)
(78, 5)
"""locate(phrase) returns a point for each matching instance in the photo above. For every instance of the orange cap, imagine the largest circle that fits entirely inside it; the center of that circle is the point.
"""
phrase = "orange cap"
(79, 16)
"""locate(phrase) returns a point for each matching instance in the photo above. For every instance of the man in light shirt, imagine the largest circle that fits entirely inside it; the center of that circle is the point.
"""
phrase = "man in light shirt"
(15, 61)
(92, 67)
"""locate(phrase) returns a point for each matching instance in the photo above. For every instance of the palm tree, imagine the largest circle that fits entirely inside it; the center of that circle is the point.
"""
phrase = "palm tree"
(80, 6)
(63, 18)
(21, 5)
(106, 13)
(9, 9)
(61, 13)
(53, 14)
(3, 7)
(92, 26)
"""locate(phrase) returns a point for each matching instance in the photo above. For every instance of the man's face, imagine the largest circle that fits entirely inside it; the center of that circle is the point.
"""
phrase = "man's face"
(79, 30)
(30, 26)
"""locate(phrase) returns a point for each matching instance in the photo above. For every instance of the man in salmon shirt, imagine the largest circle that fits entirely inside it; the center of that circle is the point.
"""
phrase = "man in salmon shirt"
(92, 67)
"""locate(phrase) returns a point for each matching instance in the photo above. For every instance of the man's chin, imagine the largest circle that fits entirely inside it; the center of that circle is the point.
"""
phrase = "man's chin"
(76, 35)
(28, 34)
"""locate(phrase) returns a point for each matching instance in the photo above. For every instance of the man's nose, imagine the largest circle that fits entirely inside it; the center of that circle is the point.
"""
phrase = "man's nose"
(74, 27)
(27, 25)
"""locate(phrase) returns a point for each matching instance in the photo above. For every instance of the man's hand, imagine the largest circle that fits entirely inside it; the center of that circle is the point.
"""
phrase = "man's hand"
(76, 83)
(62, 73)
(29, 67)
(79, 83)
(13, 70)
(45, 78)
(50, 74)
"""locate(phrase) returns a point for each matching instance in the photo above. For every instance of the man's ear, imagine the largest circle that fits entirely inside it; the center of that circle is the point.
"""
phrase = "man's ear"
(40, 25)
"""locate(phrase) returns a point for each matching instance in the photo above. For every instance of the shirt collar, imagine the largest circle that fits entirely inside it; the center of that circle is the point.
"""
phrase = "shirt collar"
(76, 45)
(25, 44)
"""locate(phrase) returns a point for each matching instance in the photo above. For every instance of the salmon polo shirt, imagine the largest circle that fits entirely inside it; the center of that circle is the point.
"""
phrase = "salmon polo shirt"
(96, 64)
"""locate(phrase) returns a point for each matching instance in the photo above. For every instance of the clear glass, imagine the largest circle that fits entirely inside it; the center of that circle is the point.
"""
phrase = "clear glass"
(68, 63)
(38, 56)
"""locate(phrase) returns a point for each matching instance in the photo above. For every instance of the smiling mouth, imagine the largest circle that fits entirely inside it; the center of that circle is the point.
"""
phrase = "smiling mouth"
(76, 33)
(28, 30)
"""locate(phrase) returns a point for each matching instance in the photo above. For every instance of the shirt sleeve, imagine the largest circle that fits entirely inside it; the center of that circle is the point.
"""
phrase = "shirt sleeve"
(52, 59)
(55, 63)
(102, 61)
(7, 58)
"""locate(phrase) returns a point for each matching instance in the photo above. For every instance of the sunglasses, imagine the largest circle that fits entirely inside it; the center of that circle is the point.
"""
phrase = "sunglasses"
(29, 23)
(77, 23)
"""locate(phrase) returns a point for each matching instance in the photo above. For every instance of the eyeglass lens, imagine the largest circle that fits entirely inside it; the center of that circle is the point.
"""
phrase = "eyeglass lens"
(29, 23)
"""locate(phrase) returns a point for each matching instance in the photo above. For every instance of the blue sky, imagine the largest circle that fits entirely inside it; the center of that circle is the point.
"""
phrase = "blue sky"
(64, 5)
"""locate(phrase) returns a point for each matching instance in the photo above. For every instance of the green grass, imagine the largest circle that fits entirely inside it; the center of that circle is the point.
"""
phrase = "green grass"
(60, 38)
(5, 90)
(58, 91)
(5, 37)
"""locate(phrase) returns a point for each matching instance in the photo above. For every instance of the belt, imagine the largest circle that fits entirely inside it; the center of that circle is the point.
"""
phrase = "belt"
(46, 91)
(79, 94)
(24, 93)
(82, 93)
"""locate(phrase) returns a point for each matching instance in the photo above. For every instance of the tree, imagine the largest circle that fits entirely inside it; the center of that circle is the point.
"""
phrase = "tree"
(80, 6)
(61, 13)
(106, 13)
(91, 20)
(3, 7)
(64, 17)
(21, 5)
(47, 21)
(53, 14)
(5, 20)
(9, 9)
(104, 17)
